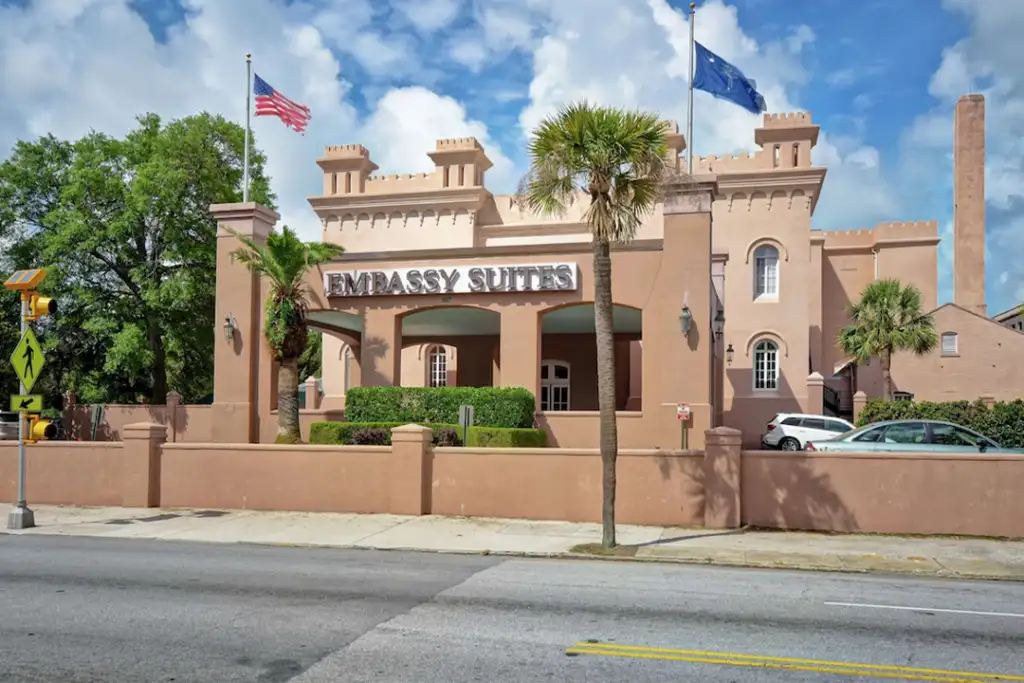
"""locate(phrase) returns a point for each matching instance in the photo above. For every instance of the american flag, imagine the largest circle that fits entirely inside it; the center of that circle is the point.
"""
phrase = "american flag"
(270, 102)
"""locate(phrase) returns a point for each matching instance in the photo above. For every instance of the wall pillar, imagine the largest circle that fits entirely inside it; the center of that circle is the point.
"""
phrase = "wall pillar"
(989, 401)
(143, 445)
(239, 365)
(172, 402)
(520, 348)
(723, 463)
(380, 349)
(815, 394)
(860, 399)
(312, 393)
(410, 470)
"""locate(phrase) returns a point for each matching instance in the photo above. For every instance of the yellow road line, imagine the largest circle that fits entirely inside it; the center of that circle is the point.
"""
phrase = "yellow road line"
(788, 663)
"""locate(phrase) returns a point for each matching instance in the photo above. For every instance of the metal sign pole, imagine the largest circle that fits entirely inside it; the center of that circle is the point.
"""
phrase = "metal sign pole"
(21, 517)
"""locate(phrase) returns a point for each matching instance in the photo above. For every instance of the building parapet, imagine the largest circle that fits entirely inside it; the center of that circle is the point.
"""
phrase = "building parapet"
(891, 233)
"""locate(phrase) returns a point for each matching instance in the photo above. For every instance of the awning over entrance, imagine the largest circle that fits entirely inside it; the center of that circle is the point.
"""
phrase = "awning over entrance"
(842, 365)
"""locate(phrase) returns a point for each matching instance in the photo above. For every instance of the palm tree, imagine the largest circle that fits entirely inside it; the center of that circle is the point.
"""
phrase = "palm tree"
(284, 261)
(887, 319)
(616, 158)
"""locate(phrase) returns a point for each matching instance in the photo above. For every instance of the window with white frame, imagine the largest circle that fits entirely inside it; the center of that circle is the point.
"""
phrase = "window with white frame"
(766, 272)
(949, 344)
(437, 367)
(554, 385)
(766, 365)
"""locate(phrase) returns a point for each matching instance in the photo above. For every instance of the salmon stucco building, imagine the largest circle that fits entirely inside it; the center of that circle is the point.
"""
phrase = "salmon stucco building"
(726, 300)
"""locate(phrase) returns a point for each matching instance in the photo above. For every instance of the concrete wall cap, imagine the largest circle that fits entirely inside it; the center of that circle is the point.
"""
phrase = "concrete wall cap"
(143, 428)
(816, 378)
(720, 432)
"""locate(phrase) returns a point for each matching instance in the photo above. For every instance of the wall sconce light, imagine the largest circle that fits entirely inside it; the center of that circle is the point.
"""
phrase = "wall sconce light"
(728, 354)
(230, 325)
(685, 319)
(719, 323)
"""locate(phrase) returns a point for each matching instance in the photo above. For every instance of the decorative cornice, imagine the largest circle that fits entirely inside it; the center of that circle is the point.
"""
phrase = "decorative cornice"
(490, 252)
(773, 179)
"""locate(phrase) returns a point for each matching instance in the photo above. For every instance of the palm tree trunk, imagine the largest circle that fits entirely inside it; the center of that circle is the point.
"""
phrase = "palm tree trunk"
(886, 358)
(288, 402)
(605, 340)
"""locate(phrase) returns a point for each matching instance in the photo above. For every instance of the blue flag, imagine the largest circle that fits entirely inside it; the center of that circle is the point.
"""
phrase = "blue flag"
(714, 75)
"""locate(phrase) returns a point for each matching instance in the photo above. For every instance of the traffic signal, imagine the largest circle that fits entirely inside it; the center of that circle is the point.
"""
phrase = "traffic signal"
(39, 306)
(39, 429)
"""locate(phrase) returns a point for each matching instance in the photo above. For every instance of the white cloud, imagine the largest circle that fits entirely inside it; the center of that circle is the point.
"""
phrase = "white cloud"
(68, 67)
(645, 45)
(399, 143)
(429, 15)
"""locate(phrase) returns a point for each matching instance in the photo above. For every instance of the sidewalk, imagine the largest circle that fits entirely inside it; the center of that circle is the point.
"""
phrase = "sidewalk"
(940, 556)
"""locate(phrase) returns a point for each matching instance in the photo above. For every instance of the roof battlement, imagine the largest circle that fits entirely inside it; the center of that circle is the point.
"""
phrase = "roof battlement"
(895, 231)
(792, 119)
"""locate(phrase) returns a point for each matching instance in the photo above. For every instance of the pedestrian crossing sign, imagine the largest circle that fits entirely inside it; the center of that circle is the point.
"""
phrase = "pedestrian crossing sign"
(27, 359)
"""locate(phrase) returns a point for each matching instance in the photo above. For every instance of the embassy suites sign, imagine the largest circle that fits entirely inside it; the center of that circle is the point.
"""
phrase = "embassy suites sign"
(519, 277)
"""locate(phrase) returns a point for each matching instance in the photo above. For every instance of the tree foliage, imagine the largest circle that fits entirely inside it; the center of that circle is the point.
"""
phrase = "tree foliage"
(284, 262)
(615, 159)
(124, 229)
(887, 319)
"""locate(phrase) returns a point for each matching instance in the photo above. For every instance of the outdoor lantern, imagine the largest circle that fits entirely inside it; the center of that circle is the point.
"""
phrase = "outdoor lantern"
(728, 354)
(230, 325)
(719, 323)
(685, 319)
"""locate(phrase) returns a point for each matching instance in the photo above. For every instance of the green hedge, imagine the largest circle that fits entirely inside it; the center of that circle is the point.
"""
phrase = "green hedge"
(1003, 422)
(511, 408)
(477, 437)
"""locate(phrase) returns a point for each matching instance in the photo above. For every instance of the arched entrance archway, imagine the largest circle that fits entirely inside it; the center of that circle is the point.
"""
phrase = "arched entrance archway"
(568, 378)
(450, 346)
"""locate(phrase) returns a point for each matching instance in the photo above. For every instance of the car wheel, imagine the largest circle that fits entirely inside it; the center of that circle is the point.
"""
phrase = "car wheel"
(789, 444)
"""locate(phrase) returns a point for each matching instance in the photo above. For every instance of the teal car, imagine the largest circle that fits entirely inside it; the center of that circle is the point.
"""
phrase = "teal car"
(911, 436)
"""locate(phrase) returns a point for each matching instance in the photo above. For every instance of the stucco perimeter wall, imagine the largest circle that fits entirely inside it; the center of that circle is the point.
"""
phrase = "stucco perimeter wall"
(64, 473)
(969, 494)
(721, 487)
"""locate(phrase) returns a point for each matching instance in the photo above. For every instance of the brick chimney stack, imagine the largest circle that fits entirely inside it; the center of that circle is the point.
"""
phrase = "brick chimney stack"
(969, 204)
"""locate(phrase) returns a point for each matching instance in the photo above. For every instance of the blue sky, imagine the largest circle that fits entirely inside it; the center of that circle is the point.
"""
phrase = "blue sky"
(880, 77)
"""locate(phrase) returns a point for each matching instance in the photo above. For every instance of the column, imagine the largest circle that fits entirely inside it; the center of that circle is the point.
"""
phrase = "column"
(410, 470)
(722, 478)
(860, 400)
(140, 470)
(520, 348)
(815, 394)
(380, 349)
(238, 363)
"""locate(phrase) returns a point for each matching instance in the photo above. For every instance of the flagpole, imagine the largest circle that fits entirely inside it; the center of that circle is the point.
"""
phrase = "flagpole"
(689, 100)
(248, 110)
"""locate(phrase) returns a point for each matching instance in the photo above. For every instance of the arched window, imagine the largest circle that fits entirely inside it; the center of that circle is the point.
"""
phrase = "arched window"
(766, 365)
(554, 385)
(437, 367)
(766, 272)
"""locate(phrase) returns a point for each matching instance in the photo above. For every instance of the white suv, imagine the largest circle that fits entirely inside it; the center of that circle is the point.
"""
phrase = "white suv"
(792, 431)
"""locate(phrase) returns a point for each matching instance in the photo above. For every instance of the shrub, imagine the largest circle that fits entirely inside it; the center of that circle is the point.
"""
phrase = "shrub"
(497, 437)
(509, 407)
(1003, 422)
(445, 435)
(371, 436)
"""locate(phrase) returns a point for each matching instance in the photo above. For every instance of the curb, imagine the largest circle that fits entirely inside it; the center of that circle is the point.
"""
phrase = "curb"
(836, 564)
(1001, 573)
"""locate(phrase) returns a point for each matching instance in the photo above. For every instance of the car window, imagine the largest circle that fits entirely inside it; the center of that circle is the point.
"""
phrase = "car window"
(791, 421)
(871, 435)
(836, 426)
(905, 432)
(952, 435)
(814, 423)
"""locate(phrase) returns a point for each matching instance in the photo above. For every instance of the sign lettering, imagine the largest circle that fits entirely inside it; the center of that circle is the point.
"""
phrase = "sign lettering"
(542, 277)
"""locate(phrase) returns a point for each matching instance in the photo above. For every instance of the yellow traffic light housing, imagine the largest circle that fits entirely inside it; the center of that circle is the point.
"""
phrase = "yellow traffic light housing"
(39, 306)
(39, 430)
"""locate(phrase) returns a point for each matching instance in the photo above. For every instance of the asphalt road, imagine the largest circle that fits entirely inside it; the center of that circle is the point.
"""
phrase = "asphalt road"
(101, 610)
